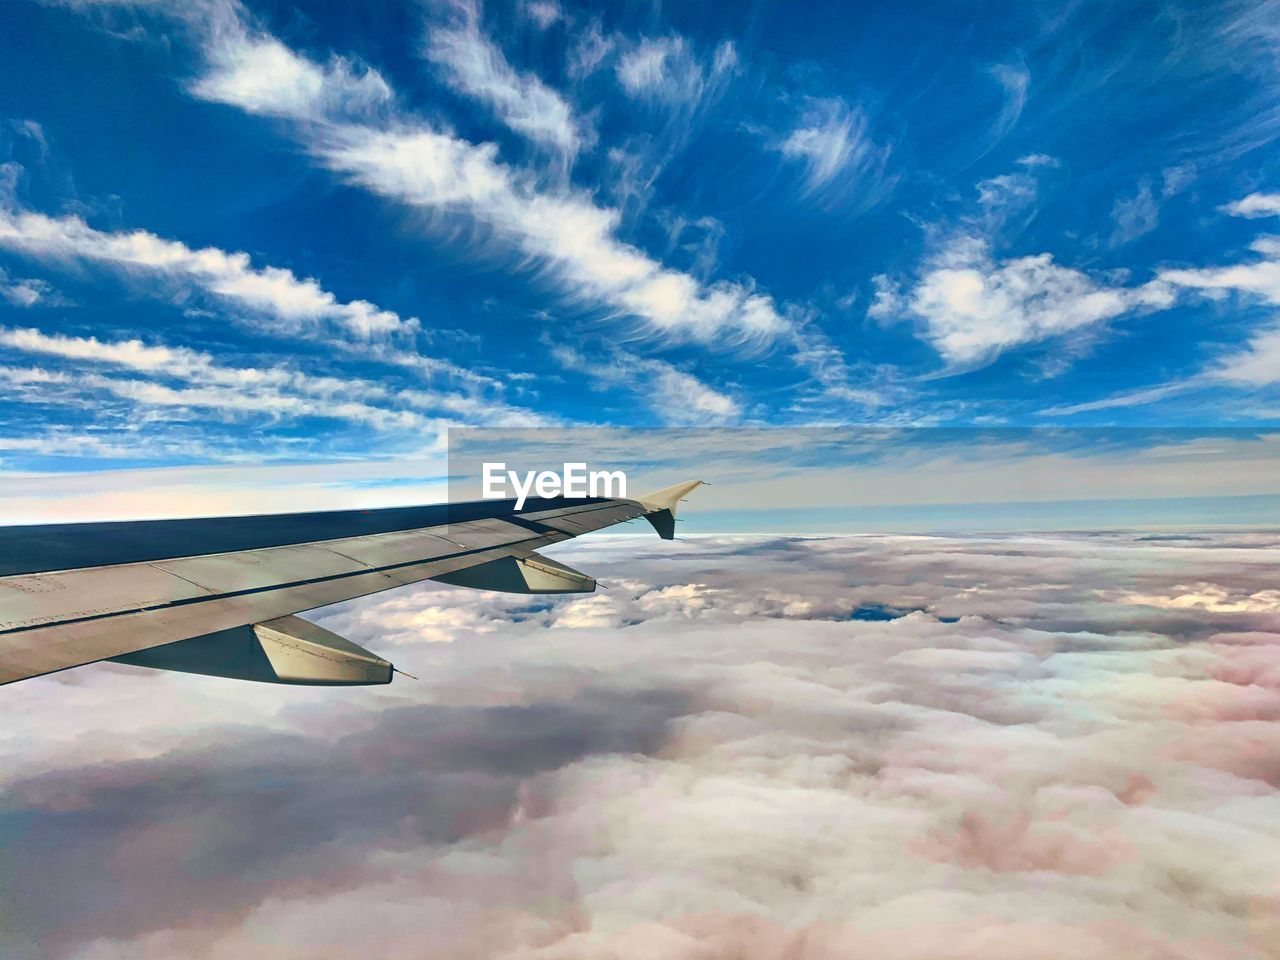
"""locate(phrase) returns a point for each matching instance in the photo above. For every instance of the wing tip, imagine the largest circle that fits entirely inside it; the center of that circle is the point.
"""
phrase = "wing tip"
(660, 506)
(668, 497)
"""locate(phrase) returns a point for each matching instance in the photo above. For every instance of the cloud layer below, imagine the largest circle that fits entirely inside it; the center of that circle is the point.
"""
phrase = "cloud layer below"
(1059, 746)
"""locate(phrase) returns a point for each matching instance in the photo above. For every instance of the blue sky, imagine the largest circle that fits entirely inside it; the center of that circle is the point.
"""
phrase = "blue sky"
(316, 231)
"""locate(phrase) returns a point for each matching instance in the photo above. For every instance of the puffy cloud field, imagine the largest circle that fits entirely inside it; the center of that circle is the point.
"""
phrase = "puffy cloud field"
(1051, 746)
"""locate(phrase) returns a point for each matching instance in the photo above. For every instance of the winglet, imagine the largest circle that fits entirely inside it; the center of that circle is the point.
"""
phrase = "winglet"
(661, 506)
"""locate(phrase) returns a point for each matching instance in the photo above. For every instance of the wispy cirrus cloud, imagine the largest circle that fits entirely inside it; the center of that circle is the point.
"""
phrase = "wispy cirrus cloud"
(272, 402)
(132, 354)
(403, 159)
(1257, 364)
(101, 445)
(832, 140)
(290, 304)
(337, 112)
(1259, 277)
(474, 65)
(1130, 398)
(255, 72)
(1134, 215)
(1137, 214)
(668, 70)
(676, 396)
(577, 239)
(243, 395)
(25, 292)
(182, 377)
(1249, 365)
(1014, 80)
(588, 51)
(543, 13)
(270, 291)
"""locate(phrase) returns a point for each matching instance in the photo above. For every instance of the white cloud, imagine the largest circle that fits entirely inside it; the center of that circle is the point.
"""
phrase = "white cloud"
(405, 160)
(709, 760)
(1039, 160)
(1134, 216)
(1005, 194)
(667, 69)
(133, 354)
(1255, 205)
(257, 73)
(1214, 597)
(1014, 79)
(589, 49)
(272, 291)
(1176, 179)
(346, 122)
(834, 386)
(1254, 364)
(973, 306)
(474, 65)
(203, 383)
(833, 142)
(886, 303)
(1257, 365)
(676, 396)
(22, 293)
(643, 70)
(1260, 278)
(26, 292)
(273, 403)
(32, 376)
(1132, 398)
(99, 446)
(567, 231)
(543, 12)
(683, 398)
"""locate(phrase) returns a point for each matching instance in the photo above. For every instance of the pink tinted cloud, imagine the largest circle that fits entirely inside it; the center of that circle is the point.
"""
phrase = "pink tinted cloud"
(1037, 756)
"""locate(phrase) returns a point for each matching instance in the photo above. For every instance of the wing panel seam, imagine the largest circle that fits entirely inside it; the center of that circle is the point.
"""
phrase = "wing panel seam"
(270, 587)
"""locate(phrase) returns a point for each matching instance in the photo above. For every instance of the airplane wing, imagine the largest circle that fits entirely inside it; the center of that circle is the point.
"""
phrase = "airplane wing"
(218, 596)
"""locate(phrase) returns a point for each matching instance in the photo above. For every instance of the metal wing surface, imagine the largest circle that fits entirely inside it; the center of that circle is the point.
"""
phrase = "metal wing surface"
(217, 595)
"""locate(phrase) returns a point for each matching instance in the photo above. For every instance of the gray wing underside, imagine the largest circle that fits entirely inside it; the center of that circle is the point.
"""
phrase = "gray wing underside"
(56, 620)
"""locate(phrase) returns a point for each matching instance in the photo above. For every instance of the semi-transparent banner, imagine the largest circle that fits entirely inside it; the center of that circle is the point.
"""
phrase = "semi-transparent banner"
(850, 479)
